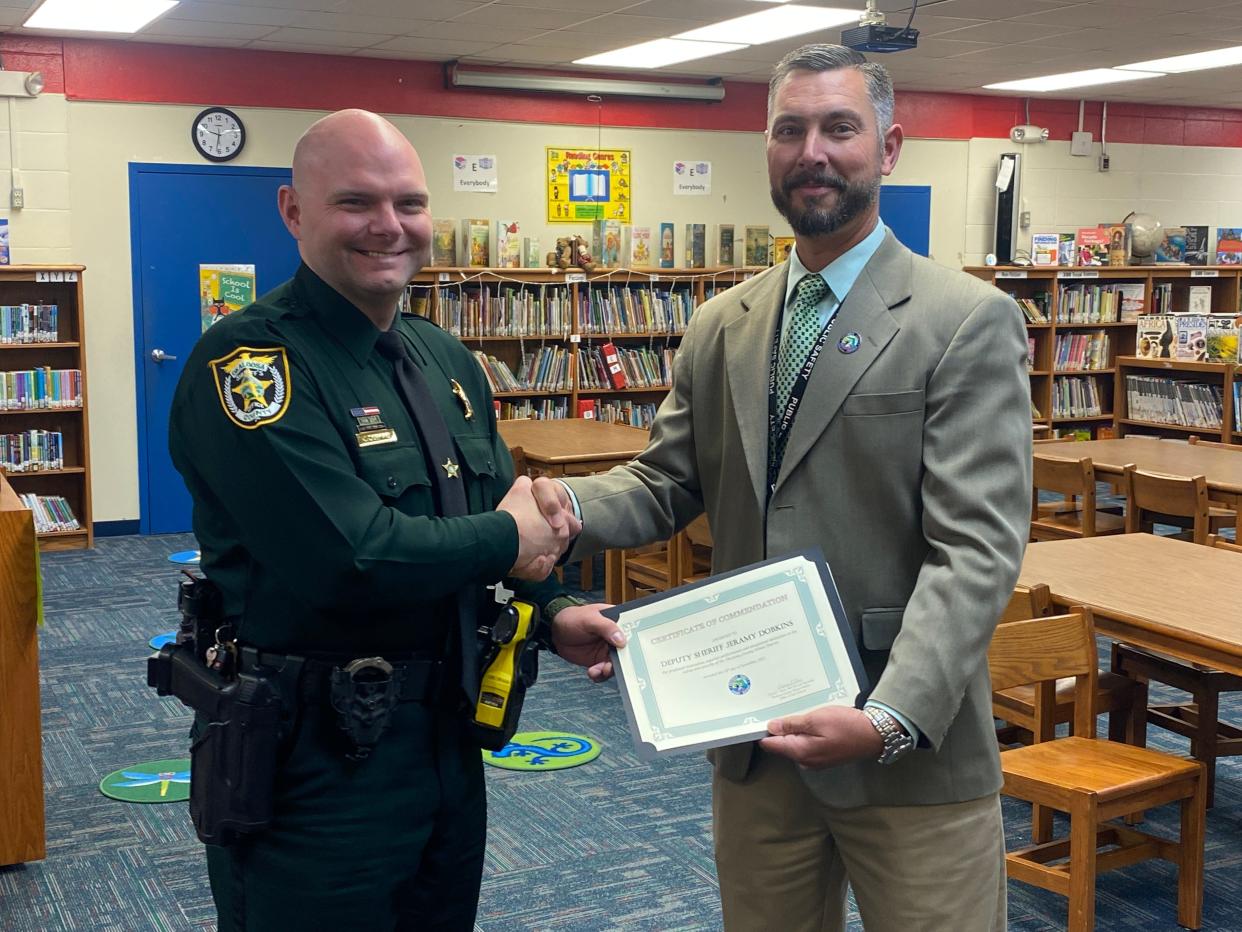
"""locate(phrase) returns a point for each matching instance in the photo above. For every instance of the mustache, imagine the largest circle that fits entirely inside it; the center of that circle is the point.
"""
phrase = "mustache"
(812, 179)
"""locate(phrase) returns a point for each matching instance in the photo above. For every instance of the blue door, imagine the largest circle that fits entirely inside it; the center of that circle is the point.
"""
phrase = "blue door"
(906, 209)
(182, 216)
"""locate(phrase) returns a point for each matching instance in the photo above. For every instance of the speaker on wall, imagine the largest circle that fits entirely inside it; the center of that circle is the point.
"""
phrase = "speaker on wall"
(1008, 199)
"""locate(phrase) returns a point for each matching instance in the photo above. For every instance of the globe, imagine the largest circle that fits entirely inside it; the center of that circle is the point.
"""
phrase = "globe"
(1145, 236)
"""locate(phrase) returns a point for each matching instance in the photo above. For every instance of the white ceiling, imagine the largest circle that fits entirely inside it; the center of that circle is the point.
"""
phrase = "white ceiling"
(963, 44)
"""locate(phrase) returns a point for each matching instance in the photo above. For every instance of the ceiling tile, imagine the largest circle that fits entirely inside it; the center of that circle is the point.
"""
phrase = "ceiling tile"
(1005, 31)
(205, 31)
(433, 49)
(504, 16)
(987, 9)
(321, 37)
(413, 9)
(625, 26)
(210, 12)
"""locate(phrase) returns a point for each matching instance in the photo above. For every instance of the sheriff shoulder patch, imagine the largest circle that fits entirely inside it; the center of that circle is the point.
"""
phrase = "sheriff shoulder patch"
(253, 385)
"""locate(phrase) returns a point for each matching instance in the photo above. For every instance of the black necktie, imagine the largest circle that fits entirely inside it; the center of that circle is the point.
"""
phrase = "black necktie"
(450, 490)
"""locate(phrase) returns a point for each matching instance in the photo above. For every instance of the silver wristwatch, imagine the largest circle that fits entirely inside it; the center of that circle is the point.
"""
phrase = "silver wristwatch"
(897, 742)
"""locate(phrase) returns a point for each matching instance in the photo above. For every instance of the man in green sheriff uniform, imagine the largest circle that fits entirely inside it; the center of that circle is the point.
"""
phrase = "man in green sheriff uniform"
(316, 509)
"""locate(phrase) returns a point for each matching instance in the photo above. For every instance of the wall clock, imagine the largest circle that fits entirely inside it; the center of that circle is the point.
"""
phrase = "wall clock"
(218, 134)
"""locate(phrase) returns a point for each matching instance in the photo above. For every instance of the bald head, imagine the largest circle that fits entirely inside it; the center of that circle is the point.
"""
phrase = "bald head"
(338, 134)
(359, 209)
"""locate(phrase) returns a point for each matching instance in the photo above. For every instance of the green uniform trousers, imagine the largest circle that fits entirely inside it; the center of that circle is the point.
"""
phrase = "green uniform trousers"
(395, 841)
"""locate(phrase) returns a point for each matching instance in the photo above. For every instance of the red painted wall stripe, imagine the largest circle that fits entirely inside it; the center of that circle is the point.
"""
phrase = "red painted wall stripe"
(151, 73)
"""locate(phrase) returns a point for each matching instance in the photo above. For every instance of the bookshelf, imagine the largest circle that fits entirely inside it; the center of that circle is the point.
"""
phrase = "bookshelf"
(1176, 398)
(1078, 379)
(60, 285)
(21, 756)
(547, 327)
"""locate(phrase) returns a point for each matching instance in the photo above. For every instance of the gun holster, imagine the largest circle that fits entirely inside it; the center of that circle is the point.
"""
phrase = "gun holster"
(237, 729)
(509, 665)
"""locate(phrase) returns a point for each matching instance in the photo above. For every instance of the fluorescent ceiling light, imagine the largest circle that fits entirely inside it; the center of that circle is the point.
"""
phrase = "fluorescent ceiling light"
(527, 81)
(1058, 82)
(94, 16)
(659, 52)
(779, 22)
(1195, 61)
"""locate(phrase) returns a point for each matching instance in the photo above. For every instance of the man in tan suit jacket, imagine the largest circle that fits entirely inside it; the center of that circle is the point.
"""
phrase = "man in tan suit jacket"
(908, 462)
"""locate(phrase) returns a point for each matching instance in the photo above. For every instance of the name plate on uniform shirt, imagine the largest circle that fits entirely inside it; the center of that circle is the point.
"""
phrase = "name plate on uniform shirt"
(371, 438)
(712, 663)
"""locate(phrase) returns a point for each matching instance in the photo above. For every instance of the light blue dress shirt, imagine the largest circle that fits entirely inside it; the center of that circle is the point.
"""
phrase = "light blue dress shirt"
(840, 274)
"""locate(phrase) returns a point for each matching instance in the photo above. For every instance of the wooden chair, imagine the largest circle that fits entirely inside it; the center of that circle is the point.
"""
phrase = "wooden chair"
(1194, 719)
(1093, 781)
(1032, 712)
(1075, 515)
(1178, 500)
(1214, 541)
(696, 550)
(645, 570)
(1216, 445)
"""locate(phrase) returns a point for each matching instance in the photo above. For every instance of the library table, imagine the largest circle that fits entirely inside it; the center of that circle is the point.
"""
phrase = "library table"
(577, 447)
(1169, 595)
(1221, 468)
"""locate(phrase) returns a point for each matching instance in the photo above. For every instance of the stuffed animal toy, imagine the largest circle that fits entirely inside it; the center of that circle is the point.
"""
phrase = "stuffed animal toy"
(571, 251)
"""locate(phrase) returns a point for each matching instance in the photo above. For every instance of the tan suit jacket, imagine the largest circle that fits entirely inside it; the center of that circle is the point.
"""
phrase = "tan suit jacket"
(909, 464)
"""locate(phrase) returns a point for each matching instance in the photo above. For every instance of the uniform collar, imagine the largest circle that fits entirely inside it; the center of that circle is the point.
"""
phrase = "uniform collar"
(344, 322)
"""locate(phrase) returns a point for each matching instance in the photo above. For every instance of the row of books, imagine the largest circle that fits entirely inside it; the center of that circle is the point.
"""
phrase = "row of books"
(1077, 397)
(539, 409)
(29, 323)
(546, 370)
(1079, 351)
(33, 389)
(32, 450)
(1174, 401)
(1098, 304)
(634, 310)
(632, 413)
(1112, 244)
(537, 311)
(1034, 308)
(639, 368)
(477, 243)
(1189, 337)
(51, 513)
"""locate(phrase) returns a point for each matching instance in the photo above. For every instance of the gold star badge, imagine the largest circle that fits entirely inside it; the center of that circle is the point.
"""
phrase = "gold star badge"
(451, 469)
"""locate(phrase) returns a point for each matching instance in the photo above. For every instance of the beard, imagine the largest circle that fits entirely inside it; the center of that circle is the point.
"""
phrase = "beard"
(853, 197)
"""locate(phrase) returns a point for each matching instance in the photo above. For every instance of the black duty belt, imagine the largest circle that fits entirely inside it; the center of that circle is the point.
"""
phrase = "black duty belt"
(416, 679)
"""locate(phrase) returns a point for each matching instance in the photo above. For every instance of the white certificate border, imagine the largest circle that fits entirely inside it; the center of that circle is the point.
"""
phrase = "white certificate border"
(632, 687)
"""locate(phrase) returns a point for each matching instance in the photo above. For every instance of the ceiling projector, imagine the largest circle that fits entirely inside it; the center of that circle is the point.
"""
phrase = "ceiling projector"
(873, 34)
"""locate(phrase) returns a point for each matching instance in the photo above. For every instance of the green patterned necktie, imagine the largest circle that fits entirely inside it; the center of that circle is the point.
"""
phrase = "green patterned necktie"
(804, 330)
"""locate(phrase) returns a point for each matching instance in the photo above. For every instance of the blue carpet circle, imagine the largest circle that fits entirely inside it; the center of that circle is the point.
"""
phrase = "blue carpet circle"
(161, 639)
(185, 557)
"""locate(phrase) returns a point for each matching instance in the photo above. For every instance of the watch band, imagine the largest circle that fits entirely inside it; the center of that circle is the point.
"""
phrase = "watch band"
(897, 742)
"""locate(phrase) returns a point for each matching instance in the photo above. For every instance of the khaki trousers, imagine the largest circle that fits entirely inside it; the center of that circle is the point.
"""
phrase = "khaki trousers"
(784, 858)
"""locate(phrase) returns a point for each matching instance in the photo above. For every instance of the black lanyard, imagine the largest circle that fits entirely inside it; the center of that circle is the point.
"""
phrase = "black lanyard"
(779, 423)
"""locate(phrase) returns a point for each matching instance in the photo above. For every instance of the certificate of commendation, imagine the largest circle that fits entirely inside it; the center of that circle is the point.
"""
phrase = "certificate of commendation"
(711, 663)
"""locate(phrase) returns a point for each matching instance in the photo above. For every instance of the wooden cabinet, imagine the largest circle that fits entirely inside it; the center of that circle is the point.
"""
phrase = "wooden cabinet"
(21, 751)
(546, 327)
(59, 285)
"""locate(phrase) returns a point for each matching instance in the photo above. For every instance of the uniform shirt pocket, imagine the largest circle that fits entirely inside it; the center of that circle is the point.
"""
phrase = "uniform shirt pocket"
(391, 470)
(478, 456)
(880, 627)
(872, 405)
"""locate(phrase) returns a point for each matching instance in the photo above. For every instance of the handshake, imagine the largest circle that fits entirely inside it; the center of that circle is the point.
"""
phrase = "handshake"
(546, 524)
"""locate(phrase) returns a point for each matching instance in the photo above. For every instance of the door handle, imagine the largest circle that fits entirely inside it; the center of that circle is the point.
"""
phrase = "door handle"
(158, 355)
